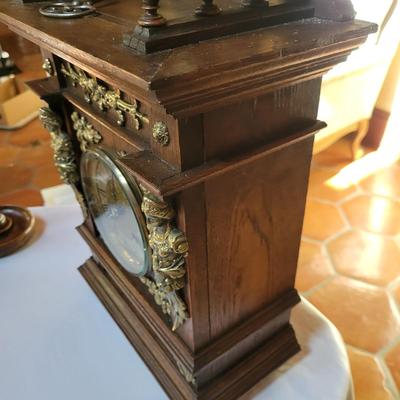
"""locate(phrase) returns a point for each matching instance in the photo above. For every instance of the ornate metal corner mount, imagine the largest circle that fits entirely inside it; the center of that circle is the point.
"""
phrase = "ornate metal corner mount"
(169, 249)
(64, 155)
(85, 133)
(160, 133)
(103, 97)
(48, 66)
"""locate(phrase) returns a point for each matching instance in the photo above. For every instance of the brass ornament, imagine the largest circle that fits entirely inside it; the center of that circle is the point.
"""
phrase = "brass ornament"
(48, 66)
(169, 249)
(64, 155)
(122, 153)
(85, 133)
(104, 98)
(160, 133)
(186, 374)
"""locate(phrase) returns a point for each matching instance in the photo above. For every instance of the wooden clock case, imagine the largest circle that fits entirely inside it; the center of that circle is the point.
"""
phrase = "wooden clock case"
(226, 143)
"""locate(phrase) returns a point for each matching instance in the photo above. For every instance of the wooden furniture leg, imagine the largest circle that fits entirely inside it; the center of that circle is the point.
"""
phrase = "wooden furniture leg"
(362, 131)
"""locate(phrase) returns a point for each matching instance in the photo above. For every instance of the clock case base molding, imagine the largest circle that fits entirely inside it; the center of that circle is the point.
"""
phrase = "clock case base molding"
(240, 377)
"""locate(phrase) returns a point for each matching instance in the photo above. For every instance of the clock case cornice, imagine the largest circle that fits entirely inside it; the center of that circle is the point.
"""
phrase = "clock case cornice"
(257, 63)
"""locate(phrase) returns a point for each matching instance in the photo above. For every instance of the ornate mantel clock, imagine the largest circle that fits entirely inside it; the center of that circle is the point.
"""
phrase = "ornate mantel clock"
(186, 129)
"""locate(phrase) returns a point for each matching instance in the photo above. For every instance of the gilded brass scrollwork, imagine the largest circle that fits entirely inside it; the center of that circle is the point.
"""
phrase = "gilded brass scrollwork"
(169, 249)
(64, 155)
(85, 133)
(103, 97)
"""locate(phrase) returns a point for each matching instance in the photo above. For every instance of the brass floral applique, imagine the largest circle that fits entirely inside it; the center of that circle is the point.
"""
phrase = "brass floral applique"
(64, 155)
(48, 66)
(160, 133)
(185, 373)
(85, 133)
(104, 98)
(169, 249)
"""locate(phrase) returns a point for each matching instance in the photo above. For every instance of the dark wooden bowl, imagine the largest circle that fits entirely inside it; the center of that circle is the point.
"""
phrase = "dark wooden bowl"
(19, 233)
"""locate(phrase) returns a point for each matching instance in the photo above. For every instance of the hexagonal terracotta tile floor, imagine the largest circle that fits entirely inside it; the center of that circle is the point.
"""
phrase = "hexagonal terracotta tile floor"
(24, 151)
(393, 362)
(368, 377)
(365, 256)
(383, 183)
(374, 214)
(313, 266)
(362, 313)
(321, 220)
(350, 269)
(397, 294)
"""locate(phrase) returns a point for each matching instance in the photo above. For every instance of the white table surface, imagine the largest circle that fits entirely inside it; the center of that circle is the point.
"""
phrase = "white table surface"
(57, 342)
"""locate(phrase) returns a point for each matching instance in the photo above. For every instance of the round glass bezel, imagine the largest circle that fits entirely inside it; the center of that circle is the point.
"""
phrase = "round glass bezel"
(132, 193)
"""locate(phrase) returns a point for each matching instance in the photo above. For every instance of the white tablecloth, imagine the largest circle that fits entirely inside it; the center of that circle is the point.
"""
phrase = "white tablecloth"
(57, 342)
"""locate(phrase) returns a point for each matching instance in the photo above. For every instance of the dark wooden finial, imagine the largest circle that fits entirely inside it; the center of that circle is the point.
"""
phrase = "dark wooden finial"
(208, 8)
(254, 3)
(151, 17)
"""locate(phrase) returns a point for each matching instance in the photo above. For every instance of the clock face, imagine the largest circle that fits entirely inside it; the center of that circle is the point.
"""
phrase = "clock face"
(114, 202)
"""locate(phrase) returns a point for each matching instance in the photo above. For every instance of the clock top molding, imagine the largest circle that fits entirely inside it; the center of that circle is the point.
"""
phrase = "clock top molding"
(304, 41)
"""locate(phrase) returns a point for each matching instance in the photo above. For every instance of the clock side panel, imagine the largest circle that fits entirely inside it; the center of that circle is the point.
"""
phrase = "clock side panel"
(245, 125)
(255, 213)
(254, 234)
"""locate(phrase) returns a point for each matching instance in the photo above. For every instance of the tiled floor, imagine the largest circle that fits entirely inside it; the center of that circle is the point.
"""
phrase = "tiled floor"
(26, 158)
(350, 256)
(26, 165)
(349, 264)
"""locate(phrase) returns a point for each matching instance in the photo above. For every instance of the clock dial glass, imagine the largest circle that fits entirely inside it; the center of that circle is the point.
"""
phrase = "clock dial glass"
(114, 202)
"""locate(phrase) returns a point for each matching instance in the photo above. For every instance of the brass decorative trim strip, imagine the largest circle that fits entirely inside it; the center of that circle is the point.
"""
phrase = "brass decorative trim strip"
(64, 155)
(169, 249)
(85, 133)
(103, 97)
